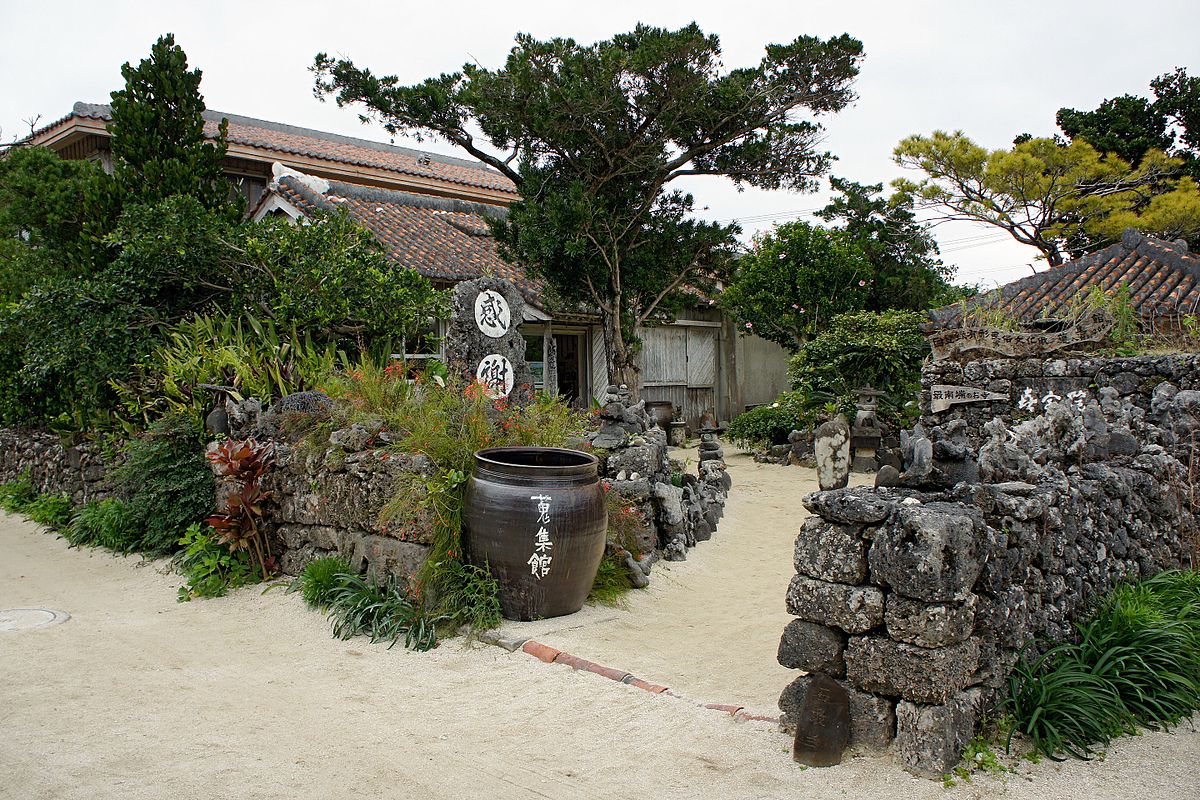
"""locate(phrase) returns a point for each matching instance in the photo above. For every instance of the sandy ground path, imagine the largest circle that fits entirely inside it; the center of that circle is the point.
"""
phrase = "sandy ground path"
(247, 696)
(707, 627)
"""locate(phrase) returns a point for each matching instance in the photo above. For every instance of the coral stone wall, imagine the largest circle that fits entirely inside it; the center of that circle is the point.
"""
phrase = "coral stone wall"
(918, 598)
(80, 472)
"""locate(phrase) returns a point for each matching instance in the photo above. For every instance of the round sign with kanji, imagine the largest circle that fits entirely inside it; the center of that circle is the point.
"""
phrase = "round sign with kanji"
(492, 315)
(495, 373)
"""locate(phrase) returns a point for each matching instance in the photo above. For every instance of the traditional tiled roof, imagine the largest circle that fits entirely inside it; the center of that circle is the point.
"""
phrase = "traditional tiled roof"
(1163, 279)
(332, 147)
(444, 239)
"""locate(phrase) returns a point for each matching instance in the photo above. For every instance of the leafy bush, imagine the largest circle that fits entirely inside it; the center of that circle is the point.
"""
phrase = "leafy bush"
(318, 579)
(221, 349)
(51, 510)
(210, 568)
(16, 496)
(385, 613)
(1136, 663)
(238, 522)
(470, 595)
(884, 351)
(771, 424)
(105, 523)
(611, 583)
(168, 482)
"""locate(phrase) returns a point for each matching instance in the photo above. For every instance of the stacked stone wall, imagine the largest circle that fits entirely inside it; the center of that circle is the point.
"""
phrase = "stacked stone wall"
(918, 598)
(680, 508)
(81, 471)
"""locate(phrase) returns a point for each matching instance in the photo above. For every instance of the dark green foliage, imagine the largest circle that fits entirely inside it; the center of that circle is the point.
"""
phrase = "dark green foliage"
(884, 351)
(209, 567)
(318, 579)
(331, 279)
(51, 510)
(158, 144)
(593, 136)
(1127, 125)
(16, 496)
(611, 583)
(168, 481)
(905, 270)
(385, 613)
(771, 424)
(1136, 663)
(43, 216)
(62, 343)
(795, 280)
(105, 523)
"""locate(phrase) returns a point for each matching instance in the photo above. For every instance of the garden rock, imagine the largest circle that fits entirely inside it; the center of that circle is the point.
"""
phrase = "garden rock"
(812, 648)
(929, 624)
(932, 552)
(831, 448)
(854, 609)
(830, 552)
(918, 674)
(852, 505)
(930, 738)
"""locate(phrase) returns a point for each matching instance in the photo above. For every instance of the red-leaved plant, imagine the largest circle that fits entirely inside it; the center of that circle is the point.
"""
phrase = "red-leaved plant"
(239, 523)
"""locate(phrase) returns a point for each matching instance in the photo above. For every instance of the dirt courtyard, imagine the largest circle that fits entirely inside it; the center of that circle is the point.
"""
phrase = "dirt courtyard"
(247, 696)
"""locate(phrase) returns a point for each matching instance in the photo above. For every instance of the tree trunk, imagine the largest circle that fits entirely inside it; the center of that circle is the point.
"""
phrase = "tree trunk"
(619, 359)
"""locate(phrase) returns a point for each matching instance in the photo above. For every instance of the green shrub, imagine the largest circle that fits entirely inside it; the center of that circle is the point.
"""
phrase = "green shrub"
(221, 349)
(15, 496)
(168, 481)
(471, 596)
(384, 613)
(209, 568)
(884, 351)
(1136, 663)
(51, 510)
(771, 424)
(105, 523)
(318, 579)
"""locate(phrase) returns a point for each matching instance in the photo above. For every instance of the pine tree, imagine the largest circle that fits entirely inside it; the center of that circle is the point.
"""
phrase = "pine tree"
(158, 144)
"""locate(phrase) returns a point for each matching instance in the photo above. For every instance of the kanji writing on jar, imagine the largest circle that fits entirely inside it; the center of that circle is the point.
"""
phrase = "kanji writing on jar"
(539, 562)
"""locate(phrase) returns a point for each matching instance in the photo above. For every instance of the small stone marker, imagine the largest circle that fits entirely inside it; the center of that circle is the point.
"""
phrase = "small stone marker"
(824, 725)
(831, 449)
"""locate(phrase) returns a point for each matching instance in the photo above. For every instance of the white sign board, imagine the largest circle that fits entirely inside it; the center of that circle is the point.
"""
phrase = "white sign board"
(492, 315)
(942, 397)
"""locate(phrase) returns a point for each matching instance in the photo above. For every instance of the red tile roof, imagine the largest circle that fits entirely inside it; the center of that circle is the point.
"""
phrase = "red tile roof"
(441, 238)
(293, 140)
(1163, 279)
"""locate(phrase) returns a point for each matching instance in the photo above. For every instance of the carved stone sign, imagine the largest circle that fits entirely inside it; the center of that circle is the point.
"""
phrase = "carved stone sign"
(824, 725)
(1086, 332)
(483, 341)
(942, 397)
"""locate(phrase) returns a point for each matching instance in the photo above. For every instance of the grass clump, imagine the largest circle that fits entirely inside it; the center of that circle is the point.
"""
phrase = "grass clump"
(15, 496)
(359, 607)
(105, 523)
(318, 579)
(611, 583)
(51, 510)
(210, 568)
(1136, 663)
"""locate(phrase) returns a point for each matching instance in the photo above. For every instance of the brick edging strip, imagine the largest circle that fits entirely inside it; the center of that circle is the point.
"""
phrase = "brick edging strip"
(551, 655)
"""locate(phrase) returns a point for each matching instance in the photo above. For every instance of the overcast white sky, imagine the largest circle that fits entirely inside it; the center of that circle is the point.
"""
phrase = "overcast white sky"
(991, 69)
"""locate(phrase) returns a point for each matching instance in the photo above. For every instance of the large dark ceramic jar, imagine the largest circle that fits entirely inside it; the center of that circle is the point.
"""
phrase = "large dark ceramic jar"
(661, 411)
(536, 517)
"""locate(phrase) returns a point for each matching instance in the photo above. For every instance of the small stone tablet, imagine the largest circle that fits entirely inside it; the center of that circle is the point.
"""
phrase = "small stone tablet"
(824, 725)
